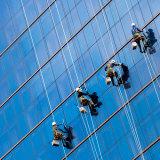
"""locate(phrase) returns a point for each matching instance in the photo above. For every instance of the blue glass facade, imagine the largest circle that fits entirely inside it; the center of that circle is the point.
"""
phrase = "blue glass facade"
(68, 45)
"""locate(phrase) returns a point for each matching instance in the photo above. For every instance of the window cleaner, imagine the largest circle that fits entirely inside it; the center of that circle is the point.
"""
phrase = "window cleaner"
(110, 72)
(137, 37)
(84, 101)
(66, 142)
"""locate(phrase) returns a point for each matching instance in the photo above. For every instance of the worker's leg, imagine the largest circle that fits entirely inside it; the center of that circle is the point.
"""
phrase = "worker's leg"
(112, 80)
(63, 139)
(136, 35)
(90, 104)
(139, 45)
(144, 40)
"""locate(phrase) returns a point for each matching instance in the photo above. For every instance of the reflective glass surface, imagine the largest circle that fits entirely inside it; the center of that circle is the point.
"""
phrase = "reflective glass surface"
(66, 45)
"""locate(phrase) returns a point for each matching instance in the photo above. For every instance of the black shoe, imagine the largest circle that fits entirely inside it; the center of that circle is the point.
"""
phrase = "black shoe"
(145, 50)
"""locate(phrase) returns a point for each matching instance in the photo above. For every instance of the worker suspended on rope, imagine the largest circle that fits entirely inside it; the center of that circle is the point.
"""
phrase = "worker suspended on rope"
(58, 135)
(83, 100)
(137, 37)
(110, 72)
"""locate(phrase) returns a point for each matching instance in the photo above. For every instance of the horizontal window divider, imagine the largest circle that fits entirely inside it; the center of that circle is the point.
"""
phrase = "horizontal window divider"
(68, 40)
(26, 29)
(146, 149)
(74, 92)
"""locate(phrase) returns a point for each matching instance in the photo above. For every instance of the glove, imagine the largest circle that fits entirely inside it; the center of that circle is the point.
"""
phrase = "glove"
(106, 72)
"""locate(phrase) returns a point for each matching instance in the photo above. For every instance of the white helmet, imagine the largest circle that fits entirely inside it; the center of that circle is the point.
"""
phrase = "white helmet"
(112, 61)
(53, 123)
(133, 24)
(77, 89)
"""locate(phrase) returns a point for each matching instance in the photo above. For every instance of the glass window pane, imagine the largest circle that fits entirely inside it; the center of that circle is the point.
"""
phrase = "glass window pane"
(4, 94)
(22, 125)
(4, 9)
(13, 132)
(53, 95)
(5, 143)
(41, 107)
(46, 127)
(19, 73)
(14, 6)
(30, 116)
(25, 95)
(90, 38)
(41, 52)
(58, 65)
(19, 153)
(52, 43)
(9, 33)
(46, 22)
(24, 43)
(64, 88)
(36, 86)
(11, 82)
(30, 63)
(28, 148)
(8, 112)
(42, 155)
(19, 17)
(36, 140)
(6, 62)
(30, 11)
(47, 75)
(17, 104)
(36, 33)
(41, 5)
(2, 41)
(82, 152)
(2, 124)
(83, 15)
(14, 53)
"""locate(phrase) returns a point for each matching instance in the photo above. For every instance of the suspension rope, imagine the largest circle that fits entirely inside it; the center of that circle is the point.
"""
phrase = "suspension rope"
(85, 87)
(121, 96)
(36, 57)
(66, 61)
(39, 64)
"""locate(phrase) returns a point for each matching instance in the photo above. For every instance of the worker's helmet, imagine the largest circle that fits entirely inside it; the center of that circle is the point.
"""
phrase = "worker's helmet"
(133, 24)
(77, 89)
(53, 123)
(112, 61)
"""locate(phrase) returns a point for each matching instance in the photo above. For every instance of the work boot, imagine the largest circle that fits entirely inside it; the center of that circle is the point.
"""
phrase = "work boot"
(145, 49)
(141, 51)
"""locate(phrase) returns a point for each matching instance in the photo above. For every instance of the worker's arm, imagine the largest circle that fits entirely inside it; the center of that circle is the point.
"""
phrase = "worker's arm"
(106, 68)
(81, 94)
(137, 29)
(62, 130)
(58, 129)
(59, 124)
